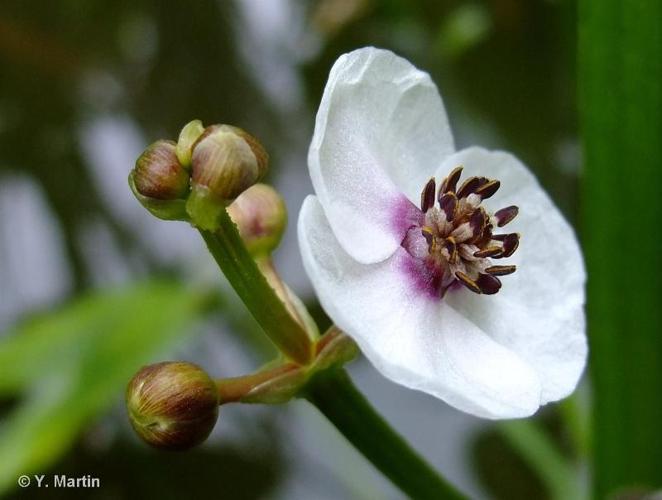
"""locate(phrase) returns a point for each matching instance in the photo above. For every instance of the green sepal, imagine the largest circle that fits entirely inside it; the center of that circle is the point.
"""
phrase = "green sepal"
(187, 137)
(279, 389)
(289, 381)
(204, 209)
(162, 209)
(338, 351)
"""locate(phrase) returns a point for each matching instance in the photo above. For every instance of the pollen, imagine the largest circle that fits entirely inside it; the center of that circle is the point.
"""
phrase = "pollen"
(459, 232)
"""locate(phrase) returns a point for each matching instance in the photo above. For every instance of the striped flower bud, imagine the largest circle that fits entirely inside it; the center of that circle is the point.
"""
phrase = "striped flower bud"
(261, 217)
(159, 182)
(225, 162)
(172, 405)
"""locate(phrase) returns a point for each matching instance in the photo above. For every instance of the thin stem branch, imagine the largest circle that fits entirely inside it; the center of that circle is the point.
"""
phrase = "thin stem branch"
(232, 390)
(243, 274)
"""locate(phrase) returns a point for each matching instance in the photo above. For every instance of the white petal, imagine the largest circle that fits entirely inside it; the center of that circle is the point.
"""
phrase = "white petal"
(539, 311)
(416, 341)
(381, 132)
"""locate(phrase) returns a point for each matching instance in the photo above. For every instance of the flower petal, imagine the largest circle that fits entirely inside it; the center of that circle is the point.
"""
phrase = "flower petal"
(414, 340)
(381, 132)
(539, 311)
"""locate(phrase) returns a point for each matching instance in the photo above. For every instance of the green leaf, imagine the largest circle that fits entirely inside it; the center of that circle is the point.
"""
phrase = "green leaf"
(75, 363)
(621, 93)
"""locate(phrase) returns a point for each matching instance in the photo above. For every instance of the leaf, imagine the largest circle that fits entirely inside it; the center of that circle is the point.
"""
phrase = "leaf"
(621, 92)
(75, 363)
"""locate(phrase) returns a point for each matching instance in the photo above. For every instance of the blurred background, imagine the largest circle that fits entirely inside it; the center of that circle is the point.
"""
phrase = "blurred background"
(92, 286)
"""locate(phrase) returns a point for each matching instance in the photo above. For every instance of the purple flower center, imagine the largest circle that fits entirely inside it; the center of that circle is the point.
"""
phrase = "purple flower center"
(454, 241)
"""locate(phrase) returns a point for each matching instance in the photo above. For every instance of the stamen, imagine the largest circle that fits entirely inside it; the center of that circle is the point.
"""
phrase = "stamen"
(427, 195)
(467, 252)
(451, 247)
(448, 203)
(462, 232)
(510, 244)
(450, 182)
(478, 221)
(459, 243)
(500, 270)
(428, 235)
(488, 284)
(469, 186)
(488, 252)
(505, 215)
(487, 190)
(468, 282)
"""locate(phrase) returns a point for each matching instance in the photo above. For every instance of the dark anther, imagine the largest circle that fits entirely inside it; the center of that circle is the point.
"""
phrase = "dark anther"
(478, 221)
(427, 195)
(427, 234)
(505, 215)
(488, 189)
(469, 186)
(468, 282)
(448, 203)
(488, 252)
(510, 244)
(488, 284)
(451, 246)
(500, 270)
(450, 182)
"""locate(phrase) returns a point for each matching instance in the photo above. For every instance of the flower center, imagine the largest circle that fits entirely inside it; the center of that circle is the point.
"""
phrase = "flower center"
(455, 242)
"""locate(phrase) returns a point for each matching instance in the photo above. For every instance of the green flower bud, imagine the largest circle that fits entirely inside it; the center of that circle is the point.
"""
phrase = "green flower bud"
(187, 137)
(172, 405)
(225, 162)
(261, 217)
(159, 182)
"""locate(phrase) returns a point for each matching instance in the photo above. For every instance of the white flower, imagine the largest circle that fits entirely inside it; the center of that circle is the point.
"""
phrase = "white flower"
(388, 254)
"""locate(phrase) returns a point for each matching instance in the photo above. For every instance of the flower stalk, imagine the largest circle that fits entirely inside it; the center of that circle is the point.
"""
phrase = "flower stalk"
(336, 397)
(242, 272)
(244, 389)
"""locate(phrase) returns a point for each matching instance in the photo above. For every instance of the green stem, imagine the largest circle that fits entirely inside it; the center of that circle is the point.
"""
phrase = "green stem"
(243, 274)
(334, 394)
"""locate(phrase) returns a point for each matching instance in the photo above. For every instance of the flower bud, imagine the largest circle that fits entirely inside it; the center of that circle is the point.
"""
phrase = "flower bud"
(160, 183)
(261, 216)
(172, 405)
(158, 174)
(187, 137)
(225, 162)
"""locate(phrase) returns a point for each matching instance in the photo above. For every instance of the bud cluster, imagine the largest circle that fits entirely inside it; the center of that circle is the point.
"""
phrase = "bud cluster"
(197, 177)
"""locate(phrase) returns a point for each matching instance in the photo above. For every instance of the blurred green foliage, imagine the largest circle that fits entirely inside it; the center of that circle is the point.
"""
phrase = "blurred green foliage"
(66, 367)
